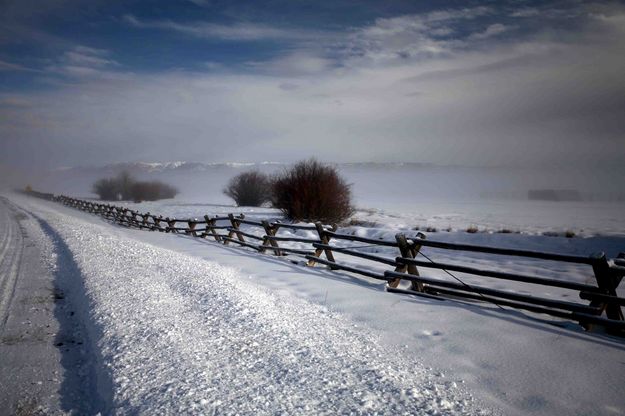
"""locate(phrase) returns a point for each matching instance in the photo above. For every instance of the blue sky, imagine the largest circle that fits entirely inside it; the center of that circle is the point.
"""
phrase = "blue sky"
(472, 83)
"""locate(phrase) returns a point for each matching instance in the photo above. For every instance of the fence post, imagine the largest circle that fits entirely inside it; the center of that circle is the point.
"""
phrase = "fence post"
(192, 228)
(171, 225)
(607, 281)
(235, 226)
(270, 231)
(122, 215)
(409, 251)
(161, 228)
(133, 218)
(325, 239)
(145, 223)
(210, 223)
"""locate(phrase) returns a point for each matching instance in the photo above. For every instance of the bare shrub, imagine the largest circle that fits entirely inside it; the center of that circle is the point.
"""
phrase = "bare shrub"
(125, 182)
(251, 189)
(126, 188)
(152, 191)
(106, 189)
(361, 223)
(472, 229)
(312, 191)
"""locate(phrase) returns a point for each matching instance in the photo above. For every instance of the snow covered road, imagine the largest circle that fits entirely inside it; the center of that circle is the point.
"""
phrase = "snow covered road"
(46, 366)
(178, 334)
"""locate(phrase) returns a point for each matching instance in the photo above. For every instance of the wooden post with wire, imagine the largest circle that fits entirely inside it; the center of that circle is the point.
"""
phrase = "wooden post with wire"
(325, 239)
(171, 225)
(210, 224)
(607, 281)
(270, 231)
(408, 250)
(235, 227)
(145, 223)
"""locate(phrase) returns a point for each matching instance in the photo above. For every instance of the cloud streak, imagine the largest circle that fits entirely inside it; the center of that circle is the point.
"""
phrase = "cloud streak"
(241, 31)
(86, 63)
(9, 66)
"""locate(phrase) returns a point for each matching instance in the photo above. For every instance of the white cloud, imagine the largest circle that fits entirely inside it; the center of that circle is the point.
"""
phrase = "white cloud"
(83, 59)
(86, 50)
(83, 62)
(525, 12)
(415, 36)
(492, 30)
(235, 31)
(456, 14)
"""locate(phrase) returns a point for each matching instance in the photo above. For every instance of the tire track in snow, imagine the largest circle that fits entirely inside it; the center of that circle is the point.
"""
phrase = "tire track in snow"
(9, 260)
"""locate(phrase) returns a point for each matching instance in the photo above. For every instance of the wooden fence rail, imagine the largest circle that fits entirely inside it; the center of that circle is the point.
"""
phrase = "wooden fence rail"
(604, 309)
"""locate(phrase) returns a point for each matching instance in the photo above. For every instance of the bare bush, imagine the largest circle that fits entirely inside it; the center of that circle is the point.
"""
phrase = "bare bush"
(251, 189)
(126, 188)
(312, 191)
(125, 182)
(106, 189)
(152, 191)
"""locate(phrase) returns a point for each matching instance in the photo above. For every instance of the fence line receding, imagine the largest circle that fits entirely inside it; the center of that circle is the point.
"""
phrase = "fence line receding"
(603, 310)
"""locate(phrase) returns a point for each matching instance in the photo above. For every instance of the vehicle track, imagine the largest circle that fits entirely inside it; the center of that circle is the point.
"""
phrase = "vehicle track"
(11, 250)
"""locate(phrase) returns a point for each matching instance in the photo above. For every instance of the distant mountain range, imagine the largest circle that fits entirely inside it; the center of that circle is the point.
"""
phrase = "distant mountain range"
(158, 167)
(181, 166)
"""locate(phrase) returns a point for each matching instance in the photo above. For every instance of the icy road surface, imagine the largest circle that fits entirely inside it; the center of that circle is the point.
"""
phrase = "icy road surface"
(177, 334)
(45, 362)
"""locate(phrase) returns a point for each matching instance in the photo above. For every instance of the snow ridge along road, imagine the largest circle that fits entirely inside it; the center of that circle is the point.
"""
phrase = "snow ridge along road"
(184, 335)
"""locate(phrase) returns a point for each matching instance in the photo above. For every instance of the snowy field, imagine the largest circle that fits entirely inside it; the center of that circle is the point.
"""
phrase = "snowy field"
(583, 219)
(386, 227)
(181, 325)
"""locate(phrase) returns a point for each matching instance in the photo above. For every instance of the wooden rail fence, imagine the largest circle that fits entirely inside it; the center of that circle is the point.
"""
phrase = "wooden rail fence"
(603, 310)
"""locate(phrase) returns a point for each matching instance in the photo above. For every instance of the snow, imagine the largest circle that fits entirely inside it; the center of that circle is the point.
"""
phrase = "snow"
(184, 335)
(191, 326)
